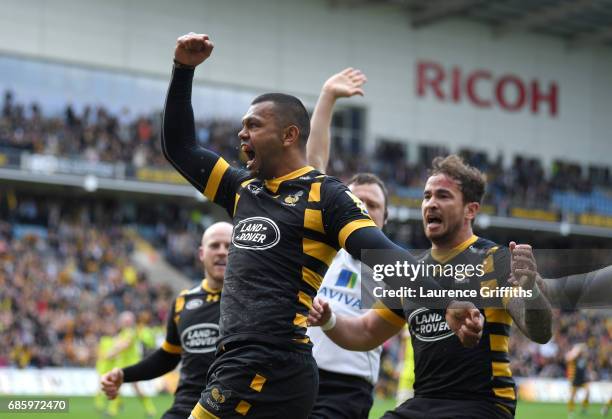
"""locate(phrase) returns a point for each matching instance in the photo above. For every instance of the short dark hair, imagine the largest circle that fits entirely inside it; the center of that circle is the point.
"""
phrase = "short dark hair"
(471, 180)
(371, 178)
(290, 111)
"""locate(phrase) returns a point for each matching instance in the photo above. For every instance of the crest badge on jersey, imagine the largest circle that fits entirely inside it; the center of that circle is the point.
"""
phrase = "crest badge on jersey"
(359, 203)
(291, 200)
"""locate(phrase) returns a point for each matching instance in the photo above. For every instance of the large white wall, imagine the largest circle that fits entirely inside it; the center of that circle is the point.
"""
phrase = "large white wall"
(293, 45)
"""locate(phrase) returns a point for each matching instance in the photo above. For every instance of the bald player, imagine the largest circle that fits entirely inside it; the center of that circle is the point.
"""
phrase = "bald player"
(191, 333)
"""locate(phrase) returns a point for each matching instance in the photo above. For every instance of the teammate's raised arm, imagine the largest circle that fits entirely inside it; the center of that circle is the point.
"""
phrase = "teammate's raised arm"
(203, 168)
(346, 83)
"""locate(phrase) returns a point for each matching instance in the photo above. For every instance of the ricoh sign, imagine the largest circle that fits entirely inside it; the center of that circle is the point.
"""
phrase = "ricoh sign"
(483, 88)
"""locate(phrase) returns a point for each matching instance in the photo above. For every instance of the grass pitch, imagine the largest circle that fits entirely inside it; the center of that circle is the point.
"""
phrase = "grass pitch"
(83, 408)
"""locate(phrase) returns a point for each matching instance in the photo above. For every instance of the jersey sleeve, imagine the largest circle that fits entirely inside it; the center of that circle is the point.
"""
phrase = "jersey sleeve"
(204, 169)
(497, 269)
(172, 342)
(391, 315)
(223, 183)
(343, 212)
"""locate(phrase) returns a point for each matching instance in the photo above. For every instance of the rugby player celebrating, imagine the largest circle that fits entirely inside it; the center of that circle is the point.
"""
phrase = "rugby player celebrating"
(289, 222)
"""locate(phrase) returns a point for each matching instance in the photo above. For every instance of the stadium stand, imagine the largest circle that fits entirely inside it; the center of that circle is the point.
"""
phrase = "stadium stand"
(66, 268)
(61, 280)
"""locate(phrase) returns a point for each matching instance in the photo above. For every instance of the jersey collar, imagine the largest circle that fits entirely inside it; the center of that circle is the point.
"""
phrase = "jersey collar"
(273, 184)
(206, 287)
(443, 256)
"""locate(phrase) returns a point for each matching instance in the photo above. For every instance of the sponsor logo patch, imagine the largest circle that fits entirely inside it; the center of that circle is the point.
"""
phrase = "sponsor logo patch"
(193, 304)
(346, 279)
(428, 326)
(256, 233)
(200, 338)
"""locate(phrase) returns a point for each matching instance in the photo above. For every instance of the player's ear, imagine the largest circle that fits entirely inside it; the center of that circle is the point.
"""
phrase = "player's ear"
(471, 209)
(291, 135)
(201, 253)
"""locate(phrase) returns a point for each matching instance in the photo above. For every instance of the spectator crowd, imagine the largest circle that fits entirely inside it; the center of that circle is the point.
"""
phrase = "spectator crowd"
(97, 135)
(66, 269)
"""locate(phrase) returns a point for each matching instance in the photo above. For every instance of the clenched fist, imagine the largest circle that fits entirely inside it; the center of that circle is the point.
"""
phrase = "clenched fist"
(111, 381)
(193, 49)
(465, 320)
(320, 313)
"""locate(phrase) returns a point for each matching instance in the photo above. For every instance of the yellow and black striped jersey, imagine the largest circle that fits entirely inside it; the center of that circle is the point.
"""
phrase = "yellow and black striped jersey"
(192, 330)
(286, 234)
(443, 367)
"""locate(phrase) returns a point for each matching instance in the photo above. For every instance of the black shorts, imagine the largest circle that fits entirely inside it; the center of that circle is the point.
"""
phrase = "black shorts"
(182, 406)
(342, 396)
(176, 414)
(423, 408)
(259, 381)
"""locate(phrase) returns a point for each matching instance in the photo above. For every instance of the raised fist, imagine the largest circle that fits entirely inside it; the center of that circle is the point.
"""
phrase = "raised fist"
(192, 49)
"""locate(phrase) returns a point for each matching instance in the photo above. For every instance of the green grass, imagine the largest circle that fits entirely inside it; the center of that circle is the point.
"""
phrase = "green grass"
(525, 410)
(82, 408)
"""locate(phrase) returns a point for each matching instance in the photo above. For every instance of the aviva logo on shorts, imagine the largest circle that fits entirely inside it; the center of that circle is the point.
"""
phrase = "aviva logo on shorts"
(346, 279)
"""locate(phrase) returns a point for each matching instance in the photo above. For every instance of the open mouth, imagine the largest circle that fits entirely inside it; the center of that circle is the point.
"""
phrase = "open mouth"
(249, 155)
(221, 263)
(433, 220)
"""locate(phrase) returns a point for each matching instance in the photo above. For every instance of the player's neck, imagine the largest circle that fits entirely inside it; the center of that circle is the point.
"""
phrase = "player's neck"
(461, 237)
(288, 163)
(212, 285)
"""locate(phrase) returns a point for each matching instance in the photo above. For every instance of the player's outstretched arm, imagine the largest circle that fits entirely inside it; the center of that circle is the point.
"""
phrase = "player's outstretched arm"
(155, 365)
(203, 168)
(346, 83)
(462, 316)
(119, 346)
(178, 137)
(532, 316)
(579, 291)
(361, 333)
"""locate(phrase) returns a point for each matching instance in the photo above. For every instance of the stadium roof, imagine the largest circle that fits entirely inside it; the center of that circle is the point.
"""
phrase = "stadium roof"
(579, 22)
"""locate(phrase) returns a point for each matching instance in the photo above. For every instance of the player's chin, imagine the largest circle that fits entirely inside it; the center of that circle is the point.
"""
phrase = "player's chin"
(433, 234)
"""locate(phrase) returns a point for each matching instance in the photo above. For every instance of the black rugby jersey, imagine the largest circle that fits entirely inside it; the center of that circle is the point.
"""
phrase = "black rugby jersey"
(192, 331)
(444, 368)
(286, 231)
(286, 234)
